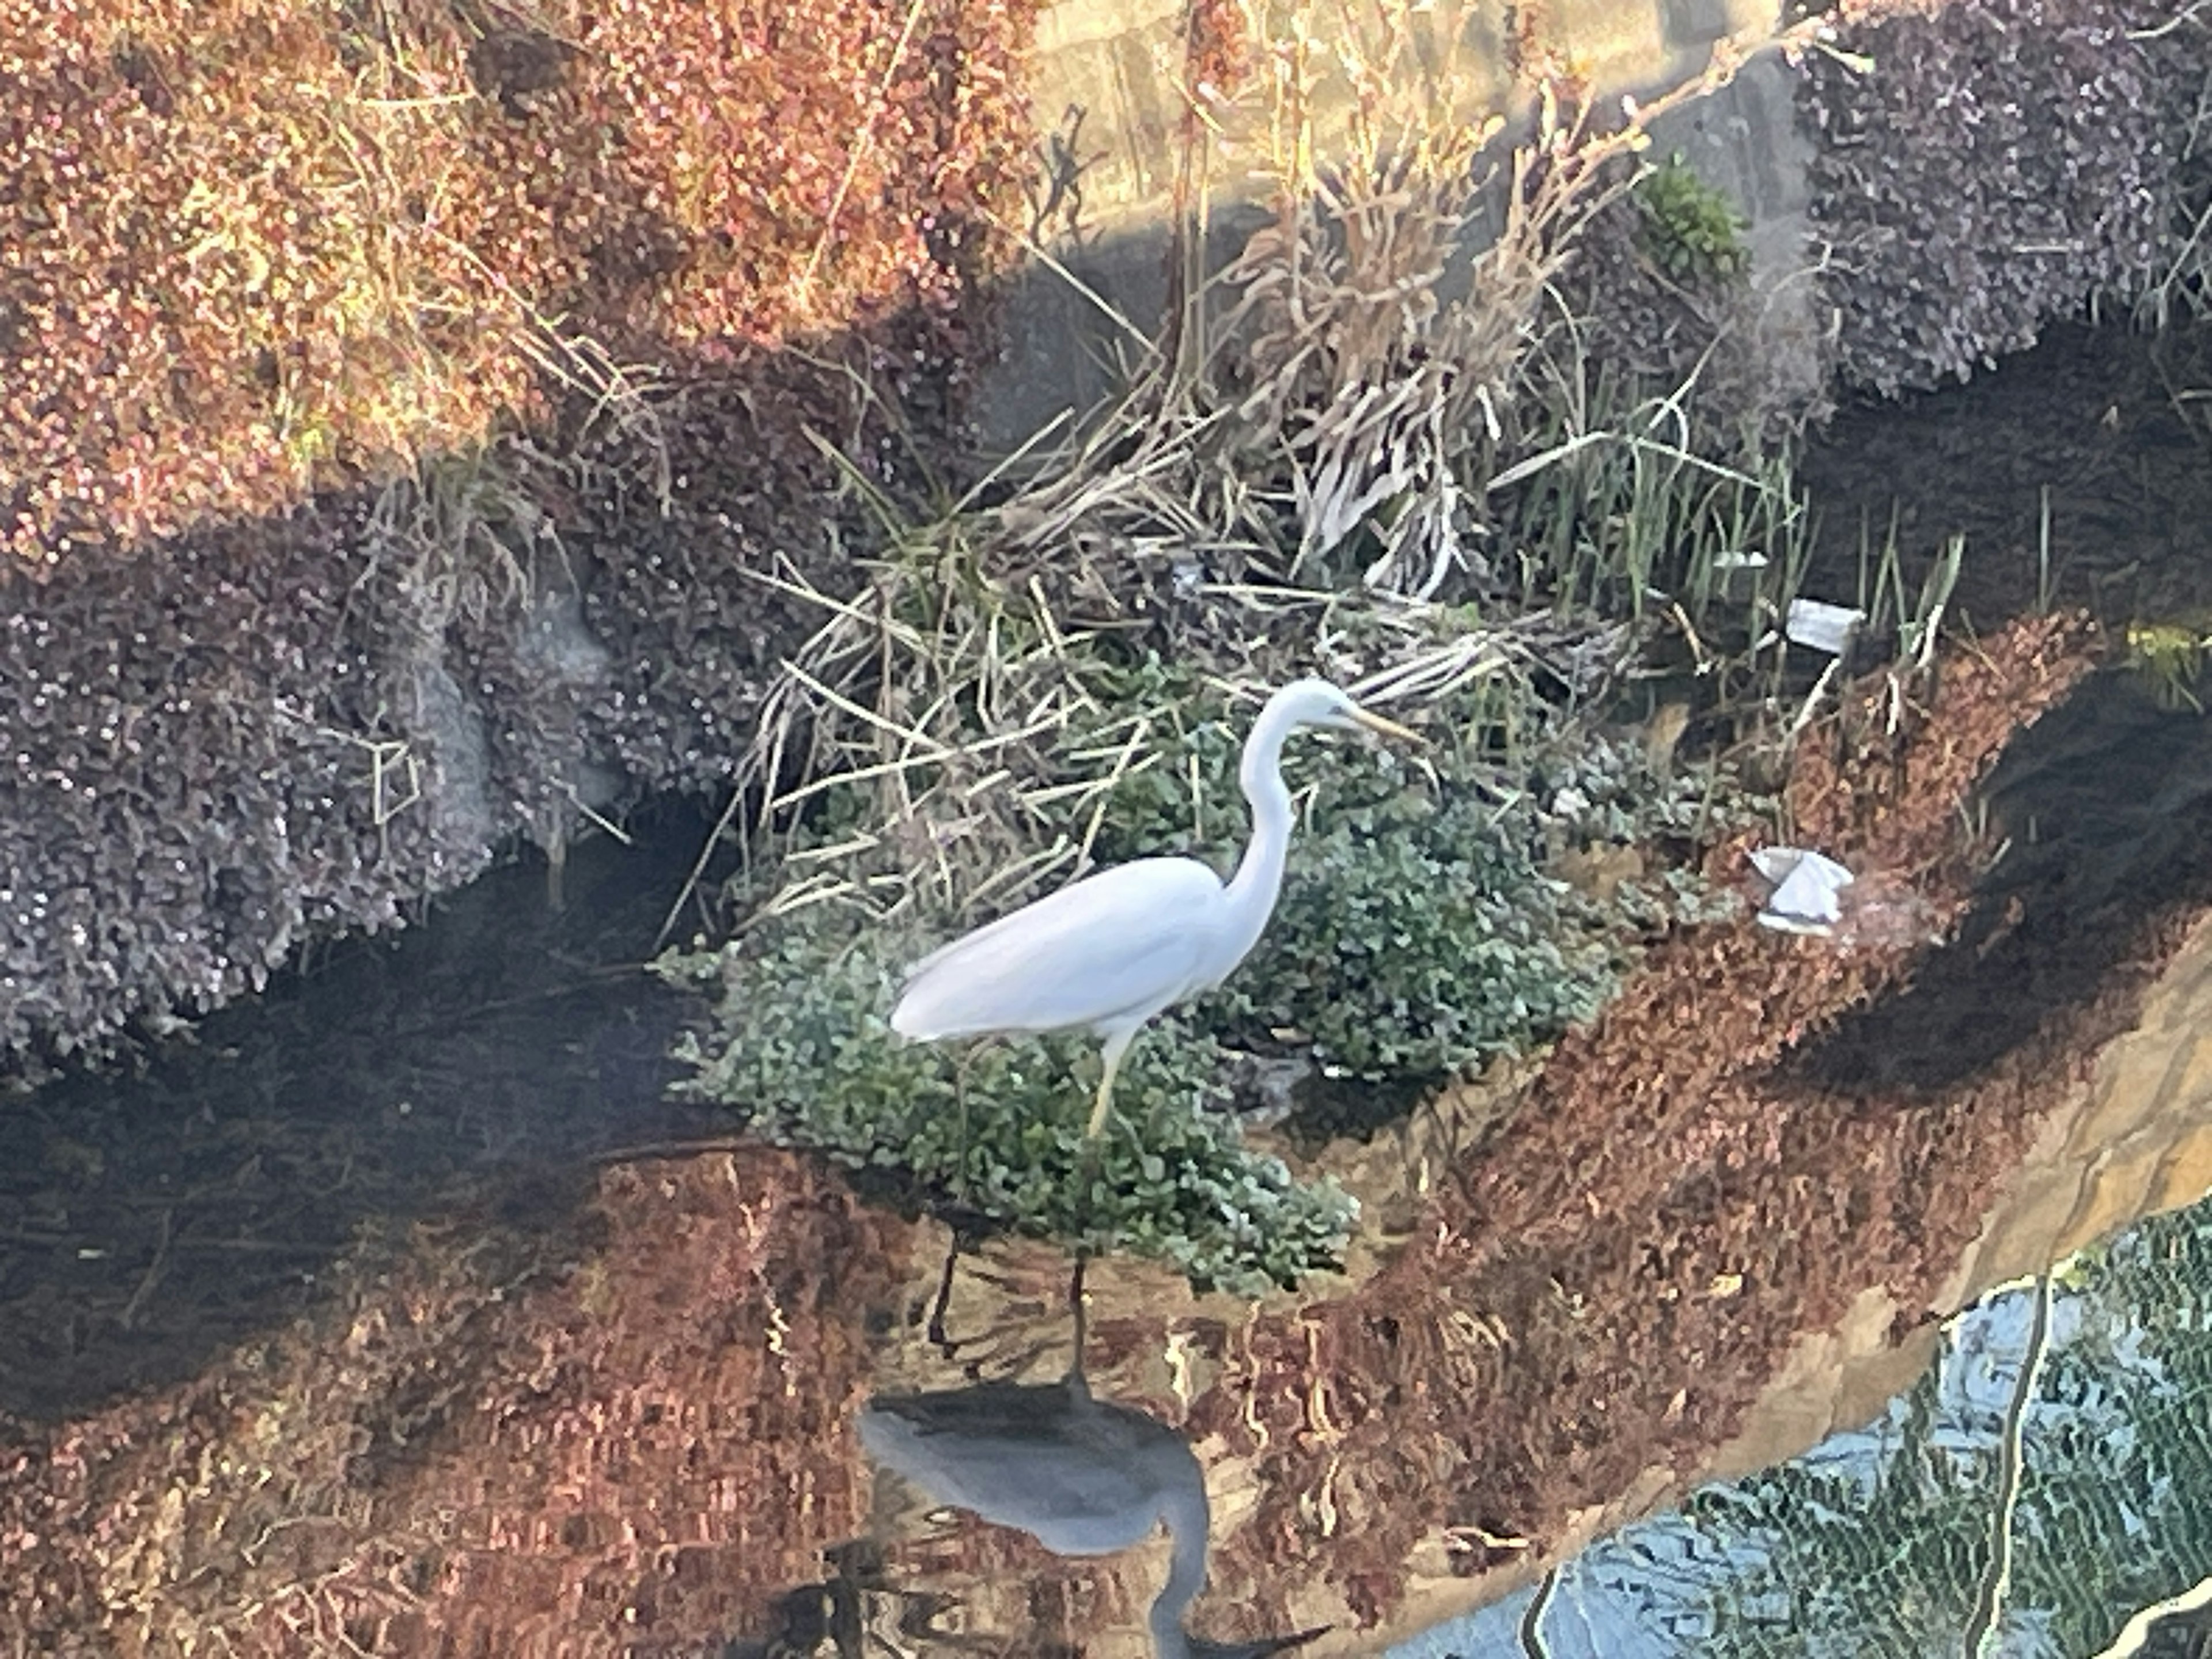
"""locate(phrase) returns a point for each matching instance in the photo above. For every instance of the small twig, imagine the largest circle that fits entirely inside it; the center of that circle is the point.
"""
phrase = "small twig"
(2171, 24)
(604, 822)
(862, 142)
(129, 1317)
(1043, 256)
(1812, 698)
(698, 868)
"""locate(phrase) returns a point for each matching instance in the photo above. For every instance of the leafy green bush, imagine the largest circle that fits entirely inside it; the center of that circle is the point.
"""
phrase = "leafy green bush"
(1691, 227)
(1421, 927)
(799, 1043)
(1418, 930)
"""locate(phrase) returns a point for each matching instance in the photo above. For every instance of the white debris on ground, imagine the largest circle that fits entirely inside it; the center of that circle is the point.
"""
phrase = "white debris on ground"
(1820, 626)
(1806, 889)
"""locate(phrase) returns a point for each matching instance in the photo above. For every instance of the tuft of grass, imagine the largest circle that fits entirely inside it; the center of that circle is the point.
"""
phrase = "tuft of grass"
(2170, 658)
(1915, 619)
(1622, 509)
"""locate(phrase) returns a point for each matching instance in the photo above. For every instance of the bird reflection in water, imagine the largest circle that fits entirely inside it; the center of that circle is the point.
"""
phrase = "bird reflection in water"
(1083, 1476)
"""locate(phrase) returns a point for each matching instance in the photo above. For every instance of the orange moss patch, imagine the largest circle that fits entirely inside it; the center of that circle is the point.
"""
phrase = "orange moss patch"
(250, 246)
(484, 1448)
(1217, 54)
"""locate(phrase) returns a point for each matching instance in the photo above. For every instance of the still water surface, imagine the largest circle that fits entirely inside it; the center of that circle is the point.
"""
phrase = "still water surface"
(575, 1374)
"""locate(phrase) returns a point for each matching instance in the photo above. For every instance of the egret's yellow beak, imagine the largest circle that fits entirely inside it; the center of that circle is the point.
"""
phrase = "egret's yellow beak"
(1375, 722)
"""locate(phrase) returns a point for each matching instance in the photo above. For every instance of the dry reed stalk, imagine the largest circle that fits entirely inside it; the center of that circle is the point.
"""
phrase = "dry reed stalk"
(963, 693)
(1394, 404)
(973, 733)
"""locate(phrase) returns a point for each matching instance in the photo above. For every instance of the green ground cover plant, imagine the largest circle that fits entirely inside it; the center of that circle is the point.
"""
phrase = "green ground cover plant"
(997, 1131)
(1691, 227)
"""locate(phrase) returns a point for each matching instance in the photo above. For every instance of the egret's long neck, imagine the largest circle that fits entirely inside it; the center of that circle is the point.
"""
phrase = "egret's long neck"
(1184, 1508)
(1259, 875)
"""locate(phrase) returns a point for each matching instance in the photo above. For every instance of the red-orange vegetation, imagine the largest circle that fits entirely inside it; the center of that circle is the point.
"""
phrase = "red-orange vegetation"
(250, 246)
(1614, 1277)
(1218, 51)
(482, 1448)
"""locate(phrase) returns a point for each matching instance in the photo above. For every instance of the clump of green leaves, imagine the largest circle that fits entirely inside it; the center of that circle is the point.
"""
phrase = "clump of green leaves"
(2170, 658)
(1419, 929)
(800, 1042)
(1690, 228)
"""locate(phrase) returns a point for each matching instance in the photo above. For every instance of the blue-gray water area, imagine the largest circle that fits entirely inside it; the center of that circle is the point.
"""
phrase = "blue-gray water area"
(2044, 1489)
(185, 1194)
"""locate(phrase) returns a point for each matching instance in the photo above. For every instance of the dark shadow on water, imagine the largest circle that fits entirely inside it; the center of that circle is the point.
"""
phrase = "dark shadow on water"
(2106, 427)
(151, 1219)
(2107, 802)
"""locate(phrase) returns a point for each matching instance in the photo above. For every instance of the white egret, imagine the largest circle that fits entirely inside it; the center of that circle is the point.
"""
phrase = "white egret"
(1111, 951)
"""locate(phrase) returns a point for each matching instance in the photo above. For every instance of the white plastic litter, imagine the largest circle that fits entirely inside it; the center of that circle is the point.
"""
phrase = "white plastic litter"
(1805, 885)
(1821, 626)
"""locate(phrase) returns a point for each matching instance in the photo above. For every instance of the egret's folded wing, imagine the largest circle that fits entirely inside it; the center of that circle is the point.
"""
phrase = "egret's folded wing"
(1127, 939)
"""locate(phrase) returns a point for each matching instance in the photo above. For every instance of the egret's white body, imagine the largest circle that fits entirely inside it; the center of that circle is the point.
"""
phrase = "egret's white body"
(1109, 952)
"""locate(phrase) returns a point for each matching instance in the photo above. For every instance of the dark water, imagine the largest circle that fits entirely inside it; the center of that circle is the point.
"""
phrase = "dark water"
(2107, 432)
(162, 1209)
(156, 1214)
(2097, 820)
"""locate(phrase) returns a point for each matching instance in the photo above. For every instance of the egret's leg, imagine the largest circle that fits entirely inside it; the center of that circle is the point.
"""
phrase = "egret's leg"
(1116, 1046)
(1082, 1316)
